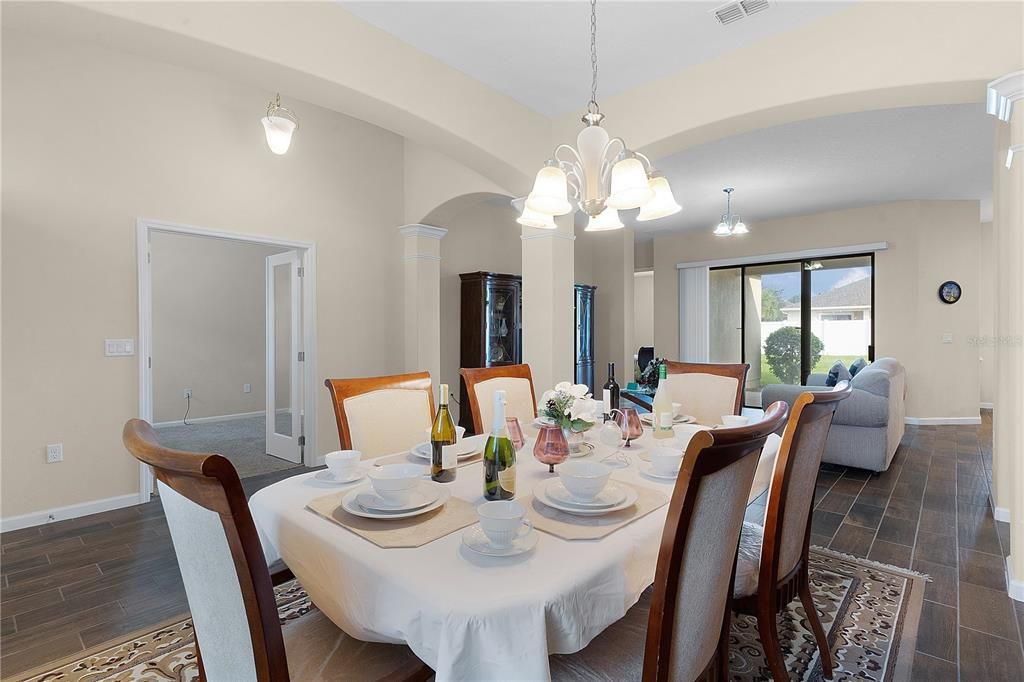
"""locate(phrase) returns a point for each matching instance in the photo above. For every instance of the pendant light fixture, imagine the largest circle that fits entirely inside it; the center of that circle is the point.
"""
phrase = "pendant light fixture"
(601, 175)
(279, 124)
(729, 224)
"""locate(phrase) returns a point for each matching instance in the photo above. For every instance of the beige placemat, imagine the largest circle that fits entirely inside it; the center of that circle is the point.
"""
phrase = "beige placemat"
(415, 531)
(573, 527)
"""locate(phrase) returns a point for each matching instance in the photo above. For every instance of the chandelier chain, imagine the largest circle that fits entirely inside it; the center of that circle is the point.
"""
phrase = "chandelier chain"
(593, 55)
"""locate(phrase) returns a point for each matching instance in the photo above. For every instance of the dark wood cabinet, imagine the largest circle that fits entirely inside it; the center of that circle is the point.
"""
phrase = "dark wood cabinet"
(584, 305)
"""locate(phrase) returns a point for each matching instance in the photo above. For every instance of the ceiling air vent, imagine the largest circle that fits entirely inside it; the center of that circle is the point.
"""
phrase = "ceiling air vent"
(734, 11)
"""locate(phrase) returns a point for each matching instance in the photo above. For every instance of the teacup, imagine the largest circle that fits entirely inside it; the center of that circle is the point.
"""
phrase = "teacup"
(666, 460)
(732, 420)
(503, 521)
(584, 480)
(676, 409)
(395, 482)
(342, 463)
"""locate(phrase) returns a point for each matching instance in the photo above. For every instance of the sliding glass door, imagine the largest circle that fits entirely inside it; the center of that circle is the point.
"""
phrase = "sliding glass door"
(791, 319)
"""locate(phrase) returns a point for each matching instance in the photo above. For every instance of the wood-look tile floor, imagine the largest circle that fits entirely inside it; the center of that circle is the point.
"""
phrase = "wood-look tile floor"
(71, 585)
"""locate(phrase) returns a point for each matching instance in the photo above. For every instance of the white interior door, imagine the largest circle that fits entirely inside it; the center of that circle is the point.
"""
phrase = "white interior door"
(284, 357)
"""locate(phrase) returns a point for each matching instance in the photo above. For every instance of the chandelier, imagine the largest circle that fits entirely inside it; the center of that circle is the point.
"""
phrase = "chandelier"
(600, 176)
(730, 224)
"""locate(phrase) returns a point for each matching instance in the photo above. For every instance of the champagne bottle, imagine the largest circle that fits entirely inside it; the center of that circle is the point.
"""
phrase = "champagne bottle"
(442, 433)
(662, 412)
(499, 457)
(611, 392)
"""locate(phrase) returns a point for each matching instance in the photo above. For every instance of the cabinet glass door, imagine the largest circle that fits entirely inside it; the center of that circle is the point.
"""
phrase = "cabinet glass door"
(501, 331)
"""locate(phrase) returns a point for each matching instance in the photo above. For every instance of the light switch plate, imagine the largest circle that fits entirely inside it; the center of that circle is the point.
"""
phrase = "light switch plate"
(246, 388)
(947, 338)
(119, 347)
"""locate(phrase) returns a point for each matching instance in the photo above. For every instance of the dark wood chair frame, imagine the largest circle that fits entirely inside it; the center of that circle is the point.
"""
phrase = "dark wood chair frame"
(342, 389)
(766, 604)
(211, 481)
(736, 371)
(707, 453)
(476, 375)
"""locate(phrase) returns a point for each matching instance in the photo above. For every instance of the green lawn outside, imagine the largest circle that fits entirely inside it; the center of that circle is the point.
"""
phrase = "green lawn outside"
(826, 361)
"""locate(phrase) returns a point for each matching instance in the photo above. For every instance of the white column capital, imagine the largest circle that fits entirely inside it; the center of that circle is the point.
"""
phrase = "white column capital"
(1002, 93)
(418, 230)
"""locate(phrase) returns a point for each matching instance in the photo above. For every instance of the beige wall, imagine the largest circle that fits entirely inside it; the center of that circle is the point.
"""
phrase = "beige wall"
(643, 309)
(94, 139)
(929, 242)
(209, 325)
(987, 312)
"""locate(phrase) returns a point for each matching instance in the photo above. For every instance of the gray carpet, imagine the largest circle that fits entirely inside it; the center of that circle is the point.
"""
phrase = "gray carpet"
(243, 441)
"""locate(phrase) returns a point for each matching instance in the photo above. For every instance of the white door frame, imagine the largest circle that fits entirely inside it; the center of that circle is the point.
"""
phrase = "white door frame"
(307, 254)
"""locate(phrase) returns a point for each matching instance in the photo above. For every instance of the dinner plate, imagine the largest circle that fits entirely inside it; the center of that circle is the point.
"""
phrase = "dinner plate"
(475, 539)
(648, 419)
(540, 492)
(542, 421)
(609, 496)
(463, 449)
(325, 476)
(349, 504)
(648, 470)
(420, 497)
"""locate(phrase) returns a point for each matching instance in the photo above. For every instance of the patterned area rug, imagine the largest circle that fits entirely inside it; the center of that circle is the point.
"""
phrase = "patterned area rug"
(869, 610)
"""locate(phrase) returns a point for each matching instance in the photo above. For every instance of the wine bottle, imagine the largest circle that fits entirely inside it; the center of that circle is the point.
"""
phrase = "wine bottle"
(499, 457)
(442, 433)
(662, 412)
(611, 392)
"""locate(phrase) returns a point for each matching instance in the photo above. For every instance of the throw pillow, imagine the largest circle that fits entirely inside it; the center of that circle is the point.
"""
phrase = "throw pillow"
(837, 373)
(857, 365)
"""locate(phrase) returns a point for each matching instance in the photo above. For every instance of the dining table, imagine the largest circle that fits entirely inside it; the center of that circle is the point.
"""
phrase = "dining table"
(466, 615)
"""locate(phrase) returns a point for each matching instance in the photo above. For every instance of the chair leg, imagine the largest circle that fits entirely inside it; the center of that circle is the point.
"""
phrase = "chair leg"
(816, 628)
(769, 630)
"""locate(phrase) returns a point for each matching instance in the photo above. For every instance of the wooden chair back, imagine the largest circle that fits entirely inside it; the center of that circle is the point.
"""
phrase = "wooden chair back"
(382, 415)
(515, 380)
(226, 578)
(788, 516)
(690, 605)
(707, 390)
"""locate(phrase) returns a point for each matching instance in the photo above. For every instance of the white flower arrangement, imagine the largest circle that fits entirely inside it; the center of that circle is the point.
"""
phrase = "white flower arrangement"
(571, 406)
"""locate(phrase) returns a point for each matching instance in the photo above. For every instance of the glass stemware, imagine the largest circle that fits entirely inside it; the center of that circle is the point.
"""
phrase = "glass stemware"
(551, 447)
(611, 436)
(515, 433)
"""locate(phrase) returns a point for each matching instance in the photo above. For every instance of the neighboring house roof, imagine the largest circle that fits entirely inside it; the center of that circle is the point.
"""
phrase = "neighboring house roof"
(853, 295)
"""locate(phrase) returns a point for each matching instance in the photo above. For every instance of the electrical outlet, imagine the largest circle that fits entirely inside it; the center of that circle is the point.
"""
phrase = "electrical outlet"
(54, 453)
(188, 393)
(246, 388)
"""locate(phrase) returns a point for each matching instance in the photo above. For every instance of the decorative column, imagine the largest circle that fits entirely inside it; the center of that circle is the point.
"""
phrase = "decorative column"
(422, 248)
(548, 317)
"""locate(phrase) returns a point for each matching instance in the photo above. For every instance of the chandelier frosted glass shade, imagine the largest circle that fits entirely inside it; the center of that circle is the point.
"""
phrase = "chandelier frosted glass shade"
(279, 131)
(722, 230)
(550, 192)
(629, 188)
(607, 219)
(532, 218)
(740, 228)
(662, 204)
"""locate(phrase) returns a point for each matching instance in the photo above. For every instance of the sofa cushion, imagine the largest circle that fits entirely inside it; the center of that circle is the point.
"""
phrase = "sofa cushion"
(873, 380)
(857, 365)
(837, 373)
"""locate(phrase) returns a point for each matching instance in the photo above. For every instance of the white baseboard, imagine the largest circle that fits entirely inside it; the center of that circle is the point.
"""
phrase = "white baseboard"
(986, 406)
(941, 421)
(1014, 587)
(215, 418)
(1001, 514)
(70, 512)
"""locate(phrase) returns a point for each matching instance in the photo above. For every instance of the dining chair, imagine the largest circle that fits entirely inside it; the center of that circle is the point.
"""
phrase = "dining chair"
(706, 390)
(382, 415)
(515, 380)
(230, 589)
(687, 610)
(771, 569)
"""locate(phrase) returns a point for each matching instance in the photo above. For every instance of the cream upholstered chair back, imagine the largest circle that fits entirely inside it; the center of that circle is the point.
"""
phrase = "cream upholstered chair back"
(693, 582)
(707, 391)
(787, 517)
(382, 415)
(226, 579)
(515, 380)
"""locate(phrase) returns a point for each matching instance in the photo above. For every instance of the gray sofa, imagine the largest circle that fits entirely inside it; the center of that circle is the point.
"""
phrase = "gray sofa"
(869, 425)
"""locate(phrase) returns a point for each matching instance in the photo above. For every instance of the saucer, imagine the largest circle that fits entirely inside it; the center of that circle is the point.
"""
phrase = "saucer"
(420, 497)
(648, 470)
(584, 450)
(609, 496)
(648, 419)
(475, 539)
(634, 449)
(463, 449)
(326, 476)
(540, 493)
(349, 504)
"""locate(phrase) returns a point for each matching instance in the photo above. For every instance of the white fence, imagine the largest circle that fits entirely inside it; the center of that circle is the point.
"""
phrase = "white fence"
(841, 337)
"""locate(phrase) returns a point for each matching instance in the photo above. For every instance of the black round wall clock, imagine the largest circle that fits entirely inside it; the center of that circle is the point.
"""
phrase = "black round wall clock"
(949, 292)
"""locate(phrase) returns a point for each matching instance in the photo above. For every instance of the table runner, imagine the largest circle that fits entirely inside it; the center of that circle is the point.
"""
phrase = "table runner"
(574, 527)
(414, 531)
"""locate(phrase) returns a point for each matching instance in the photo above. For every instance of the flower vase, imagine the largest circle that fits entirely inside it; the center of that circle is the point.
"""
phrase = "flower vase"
(575, 439)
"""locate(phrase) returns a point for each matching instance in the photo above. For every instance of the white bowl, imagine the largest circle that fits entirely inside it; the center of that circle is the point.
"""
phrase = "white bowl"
(676, 409)
(732, 420)
(584, 480)
(460, 431)
(394, 482)
(342, 462)
(502, 521)
(666, 460)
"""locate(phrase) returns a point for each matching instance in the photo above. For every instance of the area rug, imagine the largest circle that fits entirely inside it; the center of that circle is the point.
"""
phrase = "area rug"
(869, 610)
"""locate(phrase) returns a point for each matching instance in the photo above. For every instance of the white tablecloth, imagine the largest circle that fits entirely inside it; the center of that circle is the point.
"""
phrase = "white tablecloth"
(468, 616)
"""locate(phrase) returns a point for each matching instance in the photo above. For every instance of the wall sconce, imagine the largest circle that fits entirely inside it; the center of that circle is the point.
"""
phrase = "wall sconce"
(279, 124)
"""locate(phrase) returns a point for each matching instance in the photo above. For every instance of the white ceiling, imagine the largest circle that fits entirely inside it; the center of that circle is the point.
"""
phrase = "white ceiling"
(538, 53)
(935, 152)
